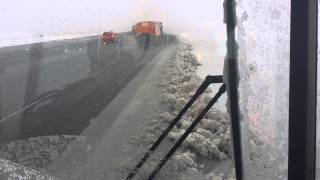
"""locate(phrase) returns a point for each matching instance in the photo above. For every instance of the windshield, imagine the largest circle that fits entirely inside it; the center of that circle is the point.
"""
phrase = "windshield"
(157, 89)
(87, 88)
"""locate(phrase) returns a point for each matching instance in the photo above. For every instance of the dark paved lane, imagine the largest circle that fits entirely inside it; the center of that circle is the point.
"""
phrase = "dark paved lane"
(57, 87)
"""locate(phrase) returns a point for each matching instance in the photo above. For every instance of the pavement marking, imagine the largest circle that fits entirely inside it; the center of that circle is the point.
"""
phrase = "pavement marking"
(26, 107)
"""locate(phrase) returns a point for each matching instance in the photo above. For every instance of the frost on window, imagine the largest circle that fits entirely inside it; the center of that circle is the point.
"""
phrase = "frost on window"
(263, 36)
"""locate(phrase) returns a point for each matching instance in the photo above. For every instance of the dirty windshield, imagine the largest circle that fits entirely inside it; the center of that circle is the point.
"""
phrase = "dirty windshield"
(87, 88)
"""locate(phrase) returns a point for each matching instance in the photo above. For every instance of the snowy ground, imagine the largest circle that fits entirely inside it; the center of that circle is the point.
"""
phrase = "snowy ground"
(26, 38)
(139, 114)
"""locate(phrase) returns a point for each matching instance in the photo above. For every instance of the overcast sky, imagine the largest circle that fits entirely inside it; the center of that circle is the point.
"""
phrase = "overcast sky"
(199, 18)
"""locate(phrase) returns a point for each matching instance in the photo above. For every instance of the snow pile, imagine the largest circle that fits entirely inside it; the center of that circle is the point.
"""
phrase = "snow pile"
(209, 142)
(12, 171)
(39, 152)
(186, 161)
(221, 176)
(179, 82)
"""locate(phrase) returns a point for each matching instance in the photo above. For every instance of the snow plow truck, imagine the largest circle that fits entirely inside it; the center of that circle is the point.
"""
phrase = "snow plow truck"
(148, 33)
(152, 28)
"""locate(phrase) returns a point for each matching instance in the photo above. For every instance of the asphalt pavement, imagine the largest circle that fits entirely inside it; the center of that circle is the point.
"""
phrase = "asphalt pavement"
(57, 87)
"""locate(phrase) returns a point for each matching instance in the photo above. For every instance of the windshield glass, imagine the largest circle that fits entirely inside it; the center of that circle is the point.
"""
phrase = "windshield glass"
(86, 88)
(264, 55)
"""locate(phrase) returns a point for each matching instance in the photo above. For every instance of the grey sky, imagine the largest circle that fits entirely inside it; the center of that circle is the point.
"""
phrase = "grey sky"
(199, 19)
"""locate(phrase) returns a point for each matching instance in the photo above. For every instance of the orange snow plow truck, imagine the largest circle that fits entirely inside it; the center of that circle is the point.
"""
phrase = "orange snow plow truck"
(148, 33)
(152, 28)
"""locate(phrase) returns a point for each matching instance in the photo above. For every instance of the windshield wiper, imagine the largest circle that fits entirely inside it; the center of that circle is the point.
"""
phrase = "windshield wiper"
(205, 84)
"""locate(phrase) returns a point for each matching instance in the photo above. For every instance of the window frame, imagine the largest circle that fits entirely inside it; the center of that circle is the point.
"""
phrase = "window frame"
(303, 89)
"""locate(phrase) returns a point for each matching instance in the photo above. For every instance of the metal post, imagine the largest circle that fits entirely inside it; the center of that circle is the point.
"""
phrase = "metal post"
(231, 80)
(303, 86)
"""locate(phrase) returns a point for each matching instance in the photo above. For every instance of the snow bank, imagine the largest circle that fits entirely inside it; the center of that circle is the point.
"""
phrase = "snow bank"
(221, 176)
(12, 171)
(39, 152)
(25, 38)
(178, 81)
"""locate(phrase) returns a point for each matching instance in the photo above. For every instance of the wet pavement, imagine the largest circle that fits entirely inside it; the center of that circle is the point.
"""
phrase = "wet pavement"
(58, 87)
